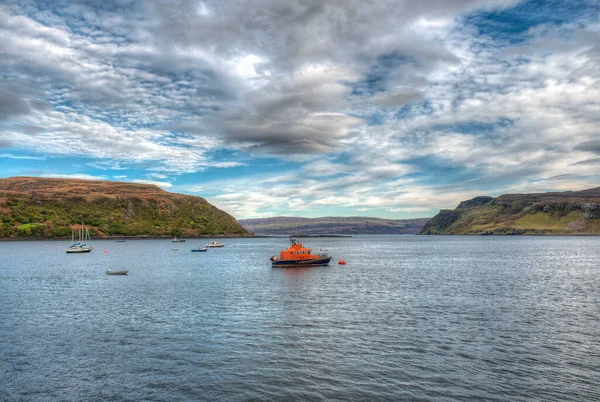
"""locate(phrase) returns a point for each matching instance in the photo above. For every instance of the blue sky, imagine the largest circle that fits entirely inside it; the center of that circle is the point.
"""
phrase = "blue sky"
(393, 109)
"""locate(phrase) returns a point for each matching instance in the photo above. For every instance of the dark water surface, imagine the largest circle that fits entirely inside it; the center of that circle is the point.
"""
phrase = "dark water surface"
(408, 318)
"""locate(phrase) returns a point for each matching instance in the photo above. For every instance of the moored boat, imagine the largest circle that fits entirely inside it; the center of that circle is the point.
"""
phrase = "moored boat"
(215, 244)
(199, 249)
(299, 256)
(81, 246)
(176, 240)
(122, 272)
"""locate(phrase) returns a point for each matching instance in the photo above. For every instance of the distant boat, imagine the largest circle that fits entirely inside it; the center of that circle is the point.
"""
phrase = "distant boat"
(215, 244)
(176, 240)
(111, 272)
(121, 241)
(199, 249)
(174, 248)
(81, 246)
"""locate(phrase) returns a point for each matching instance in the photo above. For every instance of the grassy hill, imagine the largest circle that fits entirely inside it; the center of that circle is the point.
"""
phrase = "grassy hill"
(284, 225)
(40, 207)
(570, 212)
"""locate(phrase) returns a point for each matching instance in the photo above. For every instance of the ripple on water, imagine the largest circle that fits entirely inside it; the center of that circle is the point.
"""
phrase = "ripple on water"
(408, 318)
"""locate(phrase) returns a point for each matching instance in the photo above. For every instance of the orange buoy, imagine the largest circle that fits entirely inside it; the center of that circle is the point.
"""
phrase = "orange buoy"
(342, 262)
(105, 251)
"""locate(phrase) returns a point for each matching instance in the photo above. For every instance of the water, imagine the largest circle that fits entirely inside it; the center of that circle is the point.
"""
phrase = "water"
(408, 318)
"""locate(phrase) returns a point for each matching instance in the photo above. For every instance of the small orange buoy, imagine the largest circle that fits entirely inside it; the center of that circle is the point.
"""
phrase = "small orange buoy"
(105, 251)
(342, 262)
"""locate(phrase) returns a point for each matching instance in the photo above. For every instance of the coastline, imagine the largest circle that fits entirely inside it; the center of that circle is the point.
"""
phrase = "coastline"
(11, 239)
(262, 236)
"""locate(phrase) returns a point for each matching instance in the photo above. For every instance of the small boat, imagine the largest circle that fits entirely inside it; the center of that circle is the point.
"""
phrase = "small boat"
(298, 256)
(215, 244)
(174, 248)
(199, 249)
(176, 240)
(111, 272)
(81, 246)
(121, 241)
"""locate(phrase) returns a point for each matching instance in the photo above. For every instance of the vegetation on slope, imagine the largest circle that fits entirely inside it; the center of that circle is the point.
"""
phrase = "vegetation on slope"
(571, 212)
(284, 225)
(37, 207)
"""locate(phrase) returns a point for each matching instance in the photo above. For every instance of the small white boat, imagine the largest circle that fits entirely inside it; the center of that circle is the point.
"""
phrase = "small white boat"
(176, 240)
(215, 244)
(111, 272)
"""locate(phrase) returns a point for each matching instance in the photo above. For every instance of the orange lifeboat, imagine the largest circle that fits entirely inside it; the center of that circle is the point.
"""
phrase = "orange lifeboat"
(298, 256)
(341, 262)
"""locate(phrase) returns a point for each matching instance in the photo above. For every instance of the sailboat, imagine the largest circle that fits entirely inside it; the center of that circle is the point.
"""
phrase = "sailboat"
(81, 246)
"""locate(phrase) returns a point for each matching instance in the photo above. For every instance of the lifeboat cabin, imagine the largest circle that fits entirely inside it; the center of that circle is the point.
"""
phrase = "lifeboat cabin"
(298, 256)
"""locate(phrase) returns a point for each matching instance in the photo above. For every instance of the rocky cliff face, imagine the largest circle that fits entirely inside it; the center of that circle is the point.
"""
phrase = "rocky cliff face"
(441, 222)
(571, 212)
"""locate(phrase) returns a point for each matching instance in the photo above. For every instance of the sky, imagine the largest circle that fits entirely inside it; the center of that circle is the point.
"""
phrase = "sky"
(392, 109)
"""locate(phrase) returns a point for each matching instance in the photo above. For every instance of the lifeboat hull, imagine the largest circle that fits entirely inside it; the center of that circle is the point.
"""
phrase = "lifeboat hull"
(300, 263)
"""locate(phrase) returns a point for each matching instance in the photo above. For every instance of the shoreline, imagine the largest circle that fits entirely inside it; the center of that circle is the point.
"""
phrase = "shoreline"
(276, 236)
(12, 239)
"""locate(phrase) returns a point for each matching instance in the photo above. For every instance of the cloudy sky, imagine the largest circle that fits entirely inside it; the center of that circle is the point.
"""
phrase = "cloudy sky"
(306, 108)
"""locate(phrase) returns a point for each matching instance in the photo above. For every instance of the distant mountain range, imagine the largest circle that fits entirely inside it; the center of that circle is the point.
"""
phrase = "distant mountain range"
(46, 208)
(283, 225)
(570, 212)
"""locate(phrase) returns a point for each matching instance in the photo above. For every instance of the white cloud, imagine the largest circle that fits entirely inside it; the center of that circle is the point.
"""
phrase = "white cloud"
(161, 184)
(25, 157)
(400, 107)
(80, 176)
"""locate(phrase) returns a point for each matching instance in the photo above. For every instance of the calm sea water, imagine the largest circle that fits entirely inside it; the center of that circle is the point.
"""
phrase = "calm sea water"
(408, 318)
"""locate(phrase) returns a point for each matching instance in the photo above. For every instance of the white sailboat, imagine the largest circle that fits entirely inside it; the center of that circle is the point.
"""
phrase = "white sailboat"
(82, 245)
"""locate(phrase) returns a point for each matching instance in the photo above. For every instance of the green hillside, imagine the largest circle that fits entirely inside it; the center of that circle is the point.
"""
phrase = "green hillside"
(47, 208)
(570, 212)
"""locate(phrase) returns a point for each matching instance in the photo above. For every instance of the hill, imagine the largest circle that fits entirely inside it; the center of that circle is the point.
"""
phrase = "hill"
(570, 212)
(284, 225)
(41, 207)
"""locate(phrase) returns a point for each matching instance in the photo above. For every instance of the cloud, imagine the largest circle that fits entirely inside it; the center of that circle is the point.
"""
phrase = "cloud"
(225, 165)
(398, 98)
(107, 165)
(594, 161)
(25, 157)
(80, 176)
(397, 108)
(12, 105)
(589, 146)
(161, 184)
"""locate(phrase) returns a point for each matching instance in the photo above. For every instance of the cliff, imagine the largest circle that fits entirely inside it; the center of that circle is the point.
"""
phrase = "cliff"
(284, 225)
(570, 212)
(41, 207)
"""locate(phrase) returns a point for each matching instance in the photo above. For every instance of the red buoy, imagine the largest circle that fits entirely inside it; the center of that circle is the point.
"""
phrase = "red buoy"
(342, 262)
